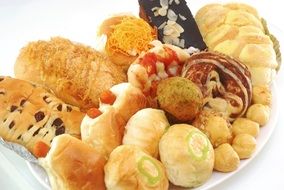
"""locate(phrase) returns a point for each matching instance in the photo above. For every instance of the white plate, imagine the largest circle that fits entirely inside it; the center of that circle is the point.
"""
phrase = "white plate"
(217, 177)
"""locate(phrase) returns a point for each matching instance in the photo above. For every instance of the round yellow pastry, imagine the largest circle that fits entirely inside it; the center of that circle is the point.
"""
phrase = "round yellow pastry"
(187, 155)
(226, 159)
(261, 95)
(258, 113)
(215, 127)
(245, 126)
(244, 145)
(129, 167)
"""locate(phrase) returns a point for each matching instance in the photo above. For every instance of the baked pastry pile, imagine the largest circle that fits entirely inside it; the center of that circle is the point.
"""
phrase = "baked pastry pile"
(154, 107)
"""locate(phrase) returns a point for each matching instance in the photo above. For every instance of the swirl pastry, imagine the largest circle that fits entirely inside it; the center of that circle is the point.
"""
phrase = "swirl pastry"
(224, 82)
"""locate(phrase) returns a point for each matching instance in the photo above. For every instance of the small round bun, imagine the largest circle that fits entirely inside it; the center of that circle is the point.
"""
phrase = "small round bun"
(258, 113)
(215, 126)
(187, 155)
(244, 145)
(245, 126)
(226, 159)
(129, 167)
(261, 95)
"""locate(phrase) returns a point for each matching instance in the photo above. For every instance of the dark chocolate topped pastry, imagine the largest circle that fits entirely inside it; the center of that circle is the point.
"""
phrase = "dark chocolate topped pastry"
(224, 82)
(174, 22)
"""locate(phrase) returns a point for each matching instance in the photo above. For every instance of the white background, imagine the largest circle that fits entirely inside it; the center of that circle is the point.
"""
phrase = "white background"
(22, 21)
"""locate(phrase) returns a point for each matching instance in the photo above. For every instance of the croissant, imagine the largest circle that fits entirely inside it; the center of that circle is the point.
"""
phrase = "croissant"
(238, 30)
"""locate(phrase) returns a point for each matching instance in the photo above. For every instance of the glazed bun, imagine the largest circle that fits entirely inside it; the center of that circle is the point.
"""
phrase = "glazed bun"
(129, 167)
(71, 164)
(145, 130)
(187, 155)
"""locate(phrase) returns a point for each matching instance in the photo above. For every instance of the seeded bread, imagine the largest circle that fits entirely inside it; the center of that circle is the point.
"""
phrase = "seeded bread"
(29, 114)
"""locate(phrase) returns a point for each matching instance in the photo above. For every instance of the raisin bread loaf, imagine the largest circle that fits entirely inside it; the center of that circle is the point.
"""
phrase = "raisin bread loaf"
(29, 114)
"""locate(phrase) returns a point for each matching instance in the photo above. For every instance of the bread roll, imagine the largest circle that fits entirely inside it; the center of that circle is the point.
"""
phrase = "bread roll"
(258, 113)
(104, 132)
(261, 95)
(145, 130)
(244, 145)
(238, 30)
(226, 159)
(187, 155)
(75, 73)
(130, 168)
(30, 114)
(129, 100)
(71, 164)
(245, 126)
(217, 129)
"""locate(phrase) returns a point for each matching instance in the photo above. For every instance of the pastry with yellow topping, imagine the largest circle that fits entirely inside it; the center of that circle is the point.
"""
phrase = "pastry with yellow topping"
(127, 37)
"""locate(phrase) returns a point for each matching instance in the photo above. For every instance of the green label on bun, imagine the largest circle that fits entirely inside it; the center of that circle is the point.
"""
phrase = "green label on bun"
(149, 169)
(198, 145)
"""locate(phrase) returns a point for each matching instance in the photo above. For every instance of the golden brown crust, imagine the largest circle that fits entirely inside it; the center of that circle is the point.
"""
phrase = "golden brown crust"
(76, 73)
(30, 114)
(129, 168)
(72, 164)
(237, 30)
(105, 132)
(129, 100)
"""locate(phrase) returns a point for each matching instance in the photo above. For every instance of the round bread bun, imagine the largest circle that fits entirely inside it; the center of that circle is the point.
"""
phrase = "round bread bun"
(72, 164)
(145, 129)
(187, 155)
(121, 57)
(129, 167)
